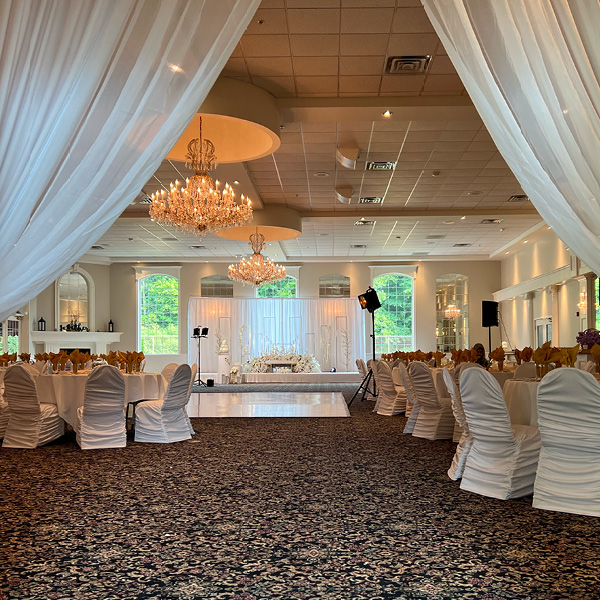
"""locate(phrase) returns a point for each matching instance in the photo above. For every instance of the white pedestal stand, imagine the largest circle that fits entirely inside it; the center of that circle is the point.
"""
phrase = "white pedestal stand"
(223, 368)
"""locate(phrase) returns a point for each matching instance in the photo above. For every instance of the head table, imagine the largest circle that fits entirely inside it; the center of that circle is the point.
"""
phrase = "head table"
(67, 390)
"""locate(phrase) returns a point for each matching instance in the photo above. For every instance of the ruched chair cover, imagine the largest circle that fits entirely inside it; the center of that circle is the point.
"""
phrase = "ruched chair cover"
(503, 458)
(568, 473)
(460, 367)
(589, 366)
(101, 419)
(168, 371)
(192, 378)
(165, 421)
(412, 401)
(390, 401)
(362, 367)
(40, 366)
(31, 423)
(400, 389)
(466, 439)
(435, 420)
(4, 414)
(525, 370)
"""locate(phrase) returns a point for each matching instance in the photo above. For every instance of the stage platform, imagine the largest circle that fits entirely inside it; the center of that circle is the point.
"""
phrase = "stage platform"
(343, 377)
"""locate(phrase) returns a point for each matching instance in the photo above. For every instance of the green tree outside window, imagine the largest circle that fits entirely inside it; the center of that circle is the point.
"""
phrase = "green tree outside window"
(159, 314)
(286, 288)
(394, 320)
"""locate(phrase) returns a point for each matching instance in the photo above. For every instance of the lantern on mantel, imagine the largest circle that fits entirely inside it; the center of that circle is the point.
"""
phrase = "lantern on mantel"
(41, 324)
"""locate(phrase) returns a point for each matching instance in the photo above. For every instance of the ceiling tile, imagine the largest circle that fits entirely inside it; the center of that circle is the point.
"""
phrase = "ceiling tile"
(412, 44)
(278, 86)
(357, 84)
(366, 20)
(402, 83)
(412, 20)
(315, 65)
(315, 45)
(302, 21)
(273, 66)
(362, 65)
(267, 45)
(273, 21)
(363, 45)
(443, 83)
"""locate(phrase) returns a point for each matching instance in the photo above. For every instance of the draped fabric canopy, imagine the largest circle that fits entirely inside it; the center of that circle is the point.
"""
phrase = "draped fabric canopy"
(310, 326)
(92, 97)
(532, 69)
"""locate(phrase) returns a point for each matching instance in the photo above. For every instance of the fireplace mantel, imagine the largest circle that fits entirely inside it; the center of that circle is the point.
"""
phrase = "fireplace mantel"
(96, 341)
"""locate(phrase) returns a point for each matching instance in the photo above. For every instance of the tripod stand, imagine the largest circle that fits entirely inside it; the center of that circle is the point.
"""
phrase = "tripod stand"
(200, 333)
(369, 377)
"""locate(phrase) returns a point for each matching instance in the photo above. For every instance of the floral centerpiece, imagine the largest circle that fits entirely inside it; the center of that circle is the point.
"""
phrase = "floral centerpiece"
(234, 373)
(588, 338)
(302, 363)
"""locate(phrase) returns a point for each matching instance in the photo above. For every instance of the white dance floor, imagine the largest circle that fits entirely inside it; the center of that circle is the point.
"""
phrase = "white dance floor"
(268, 404)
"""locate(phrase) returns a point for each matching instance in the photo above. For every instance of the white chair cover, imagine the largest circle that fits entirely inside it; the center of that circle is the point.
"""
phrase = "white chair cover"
(568, 473)
(460, 367)
(192, 378)
(465, 440)
(101, 419)
(166, 421)
(400, 389)
(143, 366)
(411, 398)
(390, 401)
(503, 458)
(40, 366)
(168, 371)
(371, 367)
(362, 367)
(435, 420)
(4, 415)
(525, 370)
(589, 366)
(31, 423)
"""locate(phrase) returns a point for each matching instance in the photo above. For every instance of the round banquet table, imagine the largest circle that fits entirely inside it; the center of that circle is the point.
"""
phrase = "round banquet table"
(502, 376)
(520, 396)
(67, 390)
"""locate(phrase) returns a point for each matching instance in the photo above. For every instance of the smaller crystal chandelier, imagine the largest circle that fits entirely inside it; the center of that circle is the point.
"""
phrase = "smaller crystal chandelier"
(200, 207)
(452, 312)
(256, 270)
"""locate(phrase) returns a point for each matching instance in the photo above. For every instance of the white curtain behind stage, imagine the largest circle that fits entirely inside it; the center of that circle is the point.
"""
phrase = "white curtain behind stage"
(312, 326)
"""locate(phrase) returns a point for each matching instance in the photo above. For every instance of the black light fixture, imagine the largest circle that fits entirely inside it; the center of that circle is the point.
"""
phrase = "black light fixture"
(369, 300)
(198, 334)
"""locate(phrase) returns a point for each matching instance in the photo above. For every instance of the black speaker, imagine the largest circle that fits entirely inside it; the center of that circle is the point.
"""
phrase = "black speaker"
(489, 313)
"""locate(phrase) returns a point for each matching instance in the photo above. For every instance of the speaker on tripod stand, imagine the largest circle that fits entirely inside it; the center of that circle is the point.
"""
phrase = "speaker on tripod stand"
(199, 334)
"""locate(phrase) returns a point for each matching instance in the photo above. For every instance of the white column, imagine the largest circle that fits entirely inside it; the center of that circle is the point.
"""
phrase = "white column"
(530, 323)
(590, 289)
(555, 319)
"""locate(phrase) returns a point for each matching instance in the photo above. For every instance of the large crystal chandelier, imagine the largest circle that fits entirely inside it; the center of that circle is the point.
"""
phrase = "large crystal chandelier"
(256, 270)
(452, 311)
(200, 207)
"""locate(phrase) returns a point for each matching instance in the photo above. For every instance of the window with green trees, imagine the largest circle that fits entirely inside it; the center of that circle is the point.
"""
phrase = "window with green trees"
(286, 288)
(158, 297)
(394, 320)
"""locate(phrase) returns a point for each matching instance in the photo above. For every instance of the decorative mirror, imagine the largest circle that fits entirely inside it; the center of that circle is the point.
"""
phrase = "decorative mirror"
(74, 301)
(452, 311)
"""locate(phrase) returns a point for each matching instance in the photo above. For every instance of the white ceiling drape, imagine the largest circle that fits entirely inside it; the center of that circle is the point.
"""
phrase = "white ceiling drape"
(92, 97)
(532, 69)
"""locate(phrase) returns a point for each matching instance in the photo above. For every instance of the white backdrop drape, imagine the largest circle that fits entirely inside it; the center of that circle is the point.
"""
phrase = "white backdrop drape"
(532, 69)
(310, 325)
(92, 97)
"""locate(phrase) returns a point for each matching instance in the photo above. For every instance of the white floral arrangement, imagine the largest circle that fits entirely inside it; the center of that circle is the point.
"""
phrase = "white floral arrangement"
(234, 372)
(302, 363)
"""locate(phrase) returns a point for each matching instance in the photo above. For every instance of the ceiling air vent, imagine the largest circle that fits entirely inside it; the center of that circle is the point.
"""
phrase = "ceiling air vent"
(380, 166)
(407, 65)
(420, 254)
(357, 246)
(169, 239)
(491, 221)
(97, 248)
(370, 200)
(145, 199)
(364, 222)
(519, 198)
(435, 237)
(198, 247)
(461, 245)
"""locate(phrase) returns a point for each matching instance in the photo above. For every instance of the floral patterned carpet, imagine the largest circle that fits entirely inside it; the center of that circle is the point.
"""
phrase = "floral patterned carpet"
(278, 509)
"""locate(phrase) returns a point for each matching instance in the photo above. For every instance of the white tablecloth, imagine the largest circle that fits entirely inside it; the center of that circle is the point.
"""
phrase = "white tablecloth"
(503, 376)
(521, 401)
(67, 390)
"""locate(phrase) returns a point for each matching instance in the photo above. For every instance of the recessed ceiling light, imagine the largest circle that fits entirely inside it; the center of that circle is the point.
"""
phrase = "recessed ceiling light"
(175, 68)
(236, 182)
(474, 193)
(525, 241)
(448, 222)
(321, 174)
(436, 173)
(398, 237)
(463, 218)
(507, 252)
(388, 113)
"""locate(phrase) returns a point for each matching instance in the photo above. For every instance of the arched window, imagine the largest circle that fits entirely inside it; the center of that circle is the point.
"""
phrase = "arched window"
(216, 286)
(394, 320)
(158, 300)
(286, 288)
(334, 286)
(452, 311)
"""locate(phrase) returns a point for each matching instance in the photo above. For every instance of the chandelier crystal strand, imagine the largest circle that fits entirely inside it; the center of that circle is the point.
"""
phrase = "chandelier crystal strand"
(200, 207)
(452, 312)
(257, 269)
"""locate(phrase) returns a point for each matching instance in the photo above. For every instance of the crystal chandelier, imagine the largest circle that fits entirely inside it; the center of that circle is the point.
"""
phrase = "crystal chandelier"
(452, 312)
(256, 270)
(200, 207)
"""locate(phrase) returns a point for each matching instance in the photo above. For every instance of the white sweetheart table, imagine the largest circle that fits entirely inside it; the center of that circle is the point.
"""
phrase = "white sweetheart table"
(67, 390)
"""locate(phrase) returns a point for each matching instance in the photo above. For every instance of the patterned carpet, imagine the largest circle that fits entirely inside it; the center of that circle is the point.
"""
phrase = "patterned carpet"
(278, 509)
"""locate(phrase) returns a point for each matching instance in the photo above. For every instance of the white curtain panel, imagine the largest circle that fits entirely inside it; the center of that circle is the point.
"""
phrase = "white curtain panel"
(313, 325)
(92, 97)
(531, 68)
